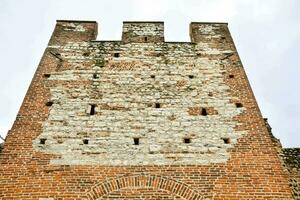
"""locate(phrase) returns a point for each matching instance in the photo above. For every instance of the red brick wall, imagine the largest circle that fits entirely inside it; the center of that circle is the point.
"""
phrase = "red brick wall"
(253, 171)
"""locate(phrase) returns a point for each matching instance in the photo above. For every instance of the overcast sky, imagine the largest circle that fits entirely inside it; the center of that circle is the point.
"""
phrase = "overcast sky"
(266, 33)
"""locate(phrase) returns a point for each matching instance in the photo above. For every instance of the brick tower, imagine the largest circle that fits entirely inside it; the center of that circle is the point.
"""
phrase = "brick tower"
(140, 118)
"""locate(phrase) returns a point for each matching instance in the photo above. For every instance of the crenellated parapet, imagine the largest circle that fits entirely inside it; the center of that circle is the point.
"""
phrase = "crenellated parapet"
(135, 31)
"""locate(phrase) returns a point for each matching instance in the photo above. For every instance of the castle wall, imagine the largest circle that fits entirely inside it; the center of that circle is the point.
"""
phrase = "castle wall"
(140, 118)
(291, 161)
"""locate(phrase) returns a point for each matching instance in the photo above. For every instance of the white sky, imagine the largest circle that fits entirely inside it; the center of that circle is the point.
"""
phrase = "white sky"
(266, 33)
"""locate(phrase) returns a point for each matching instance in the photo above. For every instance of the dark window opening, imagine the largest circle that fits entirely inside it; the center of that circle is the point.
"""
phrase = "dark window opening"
(43, 141)
(191, 76)
(152, 76)
(187, 140)
(95, 76)
(116, 55)
(47, 75)
(93, 109)
(231, 76)
(238, 105)
(203, 112)
(86, 54)
(210, 94)
(145, 39)
(136, 141)
(157, 105)
(226, 140)
(85, 141)
(49, 103)
(57, 54)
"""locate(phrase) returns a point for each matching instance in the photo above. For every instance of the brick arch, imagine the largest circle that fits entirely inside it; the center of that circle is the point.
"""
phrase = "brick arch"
(143, 181)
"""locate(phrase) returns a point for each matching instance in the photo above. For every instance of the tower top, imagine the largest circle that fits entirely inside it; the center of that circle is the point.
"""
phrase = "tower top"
(132, 32)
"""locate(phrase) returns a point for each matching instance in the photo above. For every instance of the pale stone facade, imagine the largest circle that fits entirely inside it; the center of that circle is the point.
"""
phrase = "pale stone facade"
(150, 92)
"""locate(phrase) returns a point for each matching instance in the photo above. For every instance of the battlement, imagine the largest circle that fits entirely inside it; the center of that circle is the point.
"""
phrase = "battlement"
(143, 32)
(73, 31)
(135, 31)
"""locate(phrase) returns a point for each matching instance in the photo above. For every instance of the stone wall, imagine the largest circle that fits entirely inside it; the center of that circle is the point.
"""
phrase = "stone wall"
(143, 32)
(140, 118)
(291, 159)
(126, 90)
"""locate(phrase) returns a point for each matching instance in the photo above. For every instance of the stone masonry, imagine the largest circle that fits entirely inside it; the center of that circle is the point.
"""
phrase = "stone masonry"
(291, 158)
(140, 118)
(125, 90)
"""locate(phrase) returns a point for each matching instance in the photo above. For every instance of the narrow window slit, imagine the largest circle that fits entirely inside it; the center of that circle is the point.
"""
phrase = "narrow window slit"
(157, 105)
(238, 105)
(136, 141)
(49, 103)
(226, 140)
(203, 112)
(85, 141)
(145, 39)
(95, 76)
(47, 75)
(43, 141)
(187, 140)
(93, 109)
(116, 55)
(86, 54)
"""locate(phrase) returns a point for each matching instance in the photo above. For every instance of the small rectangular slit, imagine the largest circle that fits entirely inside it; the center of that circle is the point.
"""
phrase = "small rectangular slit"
(49, 103)
(136, 141)
(43, 141)
(226, 140)
(203, 112)
(95, 76)
(187, 140)
(238, 105)
(93, 109)
(47, 75)
(85, 141)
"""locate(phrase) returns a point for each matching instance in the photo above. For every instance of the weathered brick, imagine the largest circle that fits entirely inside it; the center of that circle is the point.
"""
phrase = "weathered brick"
(104, 94)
